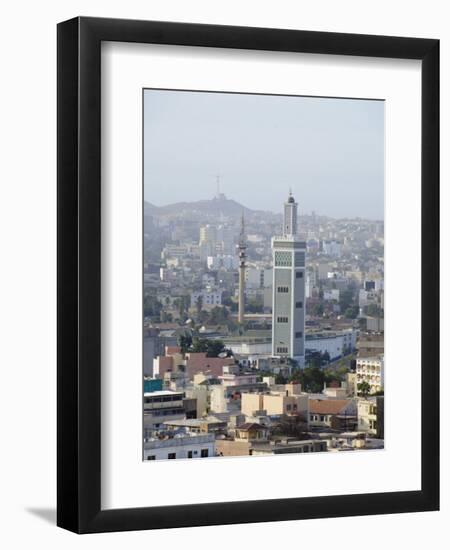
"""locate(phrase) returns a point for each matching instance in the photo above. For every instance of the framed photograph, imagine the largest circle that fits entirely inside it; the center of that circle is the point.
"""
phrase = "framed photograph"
(248, 275)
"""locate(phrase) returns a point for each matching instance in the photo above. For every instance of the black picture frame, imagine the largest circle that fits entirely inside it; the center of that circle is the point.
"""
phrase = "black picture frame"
(79, 280)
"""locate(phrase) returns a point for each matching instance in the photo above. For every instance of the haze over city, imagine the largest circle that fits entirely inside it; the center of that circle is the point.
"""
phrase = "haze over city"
(330, 152)
(263, 276)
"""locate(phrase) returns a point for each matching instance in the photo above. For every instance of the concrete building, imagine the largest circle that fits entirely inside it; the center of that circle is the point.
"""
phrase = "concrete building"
(331, 294)
(222, 261)
(251, 431)
(336, 344)
(207, 424)
(209, 298)
(288, 314)
(258, 277)
(340, 414)
(185, 446)
(289, 401)
(371, 416)
(287, 447)
(331, 248)
(160, 406)
(370, 370)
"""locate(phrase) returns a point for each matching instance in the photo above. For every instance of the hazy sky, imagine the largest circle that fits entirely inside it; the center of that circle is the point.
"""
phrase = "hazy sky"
(329, 151)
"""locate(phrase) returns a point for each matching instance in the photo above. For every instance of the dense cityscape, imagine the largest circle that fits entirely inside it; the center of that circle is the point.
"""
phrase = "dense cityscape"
(263, 332)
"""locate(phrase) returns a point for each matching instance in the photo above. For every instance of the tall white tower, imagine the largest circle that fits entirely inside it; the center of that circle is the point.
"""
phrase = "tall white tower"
(288, 304)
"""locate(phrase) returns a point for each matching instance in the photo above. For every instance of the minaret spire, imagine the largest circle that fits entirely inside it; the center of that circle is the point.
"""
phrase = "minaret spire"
(288, 290)
(242, 246)
(290, 216)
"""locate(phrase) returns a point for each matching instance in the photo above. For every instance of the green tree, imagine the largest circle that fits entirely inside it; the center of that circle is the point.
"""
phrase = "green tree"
(317, 310)
(363, 388)
(345, 299)
(166, 317)
(212, 348)
(351, 312)
(185, 342)
(152, 307)
(280, 379)
(218, 315)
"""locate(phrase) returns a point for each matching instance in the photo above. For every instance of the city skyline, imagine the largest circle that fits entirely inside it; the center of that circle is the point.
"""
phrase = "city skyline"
(330, 152)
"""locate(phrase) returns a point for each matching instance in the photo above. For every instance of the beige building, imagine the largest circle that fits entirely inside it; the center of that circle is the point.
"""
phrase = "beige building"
(289, 401)
(371, 416)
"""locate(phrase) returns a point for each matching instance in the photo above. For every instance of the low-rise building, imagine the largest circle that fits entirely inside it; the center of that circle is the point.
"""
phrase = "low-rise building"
(338, 414)
(208, 424)
(187, 446)
(290, 401)
(278, 448)
(335, 343)
(251, 431)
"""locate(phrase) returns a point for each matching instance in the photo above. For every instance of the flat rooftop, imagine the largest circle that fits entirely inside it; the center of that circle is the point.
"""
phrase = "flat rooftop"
(160, 393)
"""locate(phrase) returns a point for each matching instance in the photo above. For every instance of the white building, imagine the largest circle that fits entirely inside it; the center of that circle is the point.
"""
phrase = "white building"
(288, 310)
(222, 261)
(216, 240)
(371, 370)
(335, 344)
(331, 248)
(331, 294)
(208, 298)
(180, 446)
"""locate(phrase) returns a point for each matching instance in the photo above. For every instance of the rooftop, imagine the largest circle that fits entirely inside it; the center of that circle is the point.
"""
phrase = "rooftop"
(159, 393)
(328, 406)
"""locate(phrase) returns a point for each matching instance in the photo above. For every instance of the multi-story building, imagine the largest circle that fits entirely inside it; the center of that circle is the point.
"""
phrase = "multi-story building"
(288, 313)
(222, 261)
(208, 298)
(258, 277)
(371, 370)
(331, 248)
(160, 406)
(371, 416)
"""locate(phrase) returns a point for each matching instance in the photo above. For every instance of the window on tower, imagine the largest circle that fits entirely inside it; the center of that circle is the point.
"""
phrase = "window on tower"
(282, 319)
(298, 305)
(299, 259)
(299, 275)
(283, 259)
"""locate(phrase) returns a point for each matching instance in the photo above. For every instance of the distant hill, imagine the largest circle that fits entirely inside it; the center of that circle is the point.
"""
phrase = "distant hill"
(217, 206)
